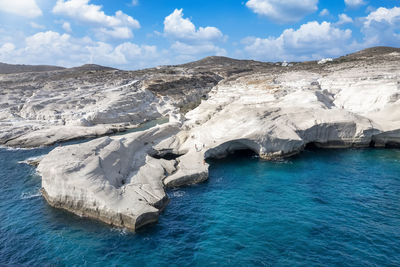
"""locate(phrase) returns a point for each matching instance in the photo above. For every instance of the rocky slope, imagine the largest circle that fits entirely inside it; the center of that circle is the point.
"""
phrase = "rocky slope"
(42, 108)
(272, 109)
(9, 68)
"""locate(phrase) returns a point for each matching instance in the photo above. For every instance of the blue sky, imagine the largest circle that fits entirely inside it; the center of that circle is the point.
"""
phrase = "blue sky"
(132, 34)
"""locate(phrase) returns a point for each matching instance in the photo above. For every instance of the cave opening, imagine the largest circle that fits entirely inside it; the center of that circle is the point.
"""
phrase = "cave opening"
(311, 146)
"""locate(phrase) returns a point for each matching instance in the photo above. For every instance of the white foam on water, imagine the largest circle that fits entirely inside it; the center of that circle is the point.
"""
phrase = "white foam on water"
(31, 159)
(178, 193)
(16, 148)
(29, 195)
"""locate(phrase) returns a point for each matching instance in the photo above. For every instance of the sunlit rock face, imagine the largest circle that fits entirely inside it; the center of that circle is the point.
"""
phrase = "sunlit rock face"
(350, 102)
(111, 179)
(216, 106)
(42, 108)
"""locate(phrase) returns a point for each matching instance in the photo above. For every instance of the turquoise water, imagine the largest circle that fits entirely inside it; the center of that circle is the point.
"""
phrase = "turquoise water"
(321, 208)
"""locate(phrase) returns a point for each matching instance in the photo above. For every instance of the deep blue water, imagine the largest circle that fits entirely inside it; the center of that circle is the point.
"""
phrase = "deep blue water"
(321, 208)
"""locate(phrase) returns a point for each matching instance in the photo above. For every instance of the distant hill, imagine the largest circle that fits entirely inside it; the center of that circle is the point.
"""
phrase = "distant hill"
(217, 60)
(213, 63)
(10, 68)
(378, 50)
(226, 61)
(370, 53)
(91, 67)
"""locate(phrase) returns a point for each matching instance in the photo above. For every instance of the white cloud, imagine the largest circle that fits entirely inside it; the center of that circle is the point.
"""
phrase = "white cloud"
(354, 3)
(24, 8)
(132, 51)
(47, 42)
(53, 48)
(382, 27)
(117, 32)
(127, 55)
(283, 10)
(189, 43)
(83, 11)
(390, 16)
(177, 27)
(6, 49)
(344, 19)
(312, 40)
(188, 49)
(119, 26)
(67, 27)
(37, 26)
(324, 12)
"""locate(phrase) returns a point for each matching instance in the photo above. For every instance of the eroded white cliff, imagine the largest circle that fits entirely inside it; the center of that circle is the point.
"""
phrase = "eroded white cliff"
(276, 112)
(111, 179)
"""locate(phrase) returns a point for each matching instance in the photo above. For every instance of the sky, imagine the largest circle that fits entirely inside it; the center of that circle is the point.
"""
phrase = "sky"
(134, 34)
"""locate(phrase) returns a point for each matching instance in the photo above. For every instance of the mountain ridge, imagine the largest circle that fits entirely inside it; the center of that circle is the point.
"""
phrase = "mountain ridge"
(6, 68)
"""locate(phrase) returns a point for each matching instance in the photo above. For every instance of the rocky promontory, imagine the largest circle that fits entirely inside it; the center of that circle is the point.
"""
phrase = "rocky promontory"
(215, 106)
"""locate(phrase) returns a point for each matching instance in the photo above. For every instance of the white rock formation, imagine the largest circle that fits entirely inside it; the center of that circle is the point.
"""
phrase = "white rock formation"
(275, 112)
(111, 179)
(278, 115)
(53, 114)
(43, 108)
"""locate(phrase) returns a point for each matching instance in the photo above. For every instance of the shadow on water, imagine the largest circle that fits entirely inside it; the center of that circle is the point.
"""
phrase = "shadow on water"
(237, 155)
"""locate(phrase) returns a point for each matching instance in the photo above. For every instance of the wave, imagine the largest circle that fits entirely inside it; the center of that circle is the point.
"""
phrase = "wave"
(32, 160)
(7, 148)
(29, 195)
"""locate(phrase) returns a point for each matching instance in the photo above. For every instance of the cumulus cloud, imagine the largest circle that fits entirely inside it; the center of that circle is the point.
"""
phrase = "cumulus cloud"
(118, 26)
(283, 10)
(312, 40)
(47, 44)
(83, 11)
(354, 3)
(188, 42)
(390, 16)
(382, 27)
(24, 8)
(344, 19)
(54, 48)
(183, 29)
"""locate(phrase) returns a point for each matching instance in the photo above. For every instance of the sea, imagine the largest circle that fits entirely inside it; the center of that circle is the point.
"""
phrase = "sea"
(319, 208)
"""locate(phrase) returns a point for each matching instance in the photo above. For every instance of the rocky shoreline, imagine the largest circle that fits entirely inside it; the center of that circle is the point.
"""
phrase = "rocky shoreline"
(273, 110)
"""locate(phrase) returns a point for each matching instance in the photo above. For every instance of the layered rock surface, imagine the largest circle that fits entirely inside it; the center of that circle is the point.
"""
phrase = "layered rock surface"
(273, 110)
(43, 108)
(111, 179)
